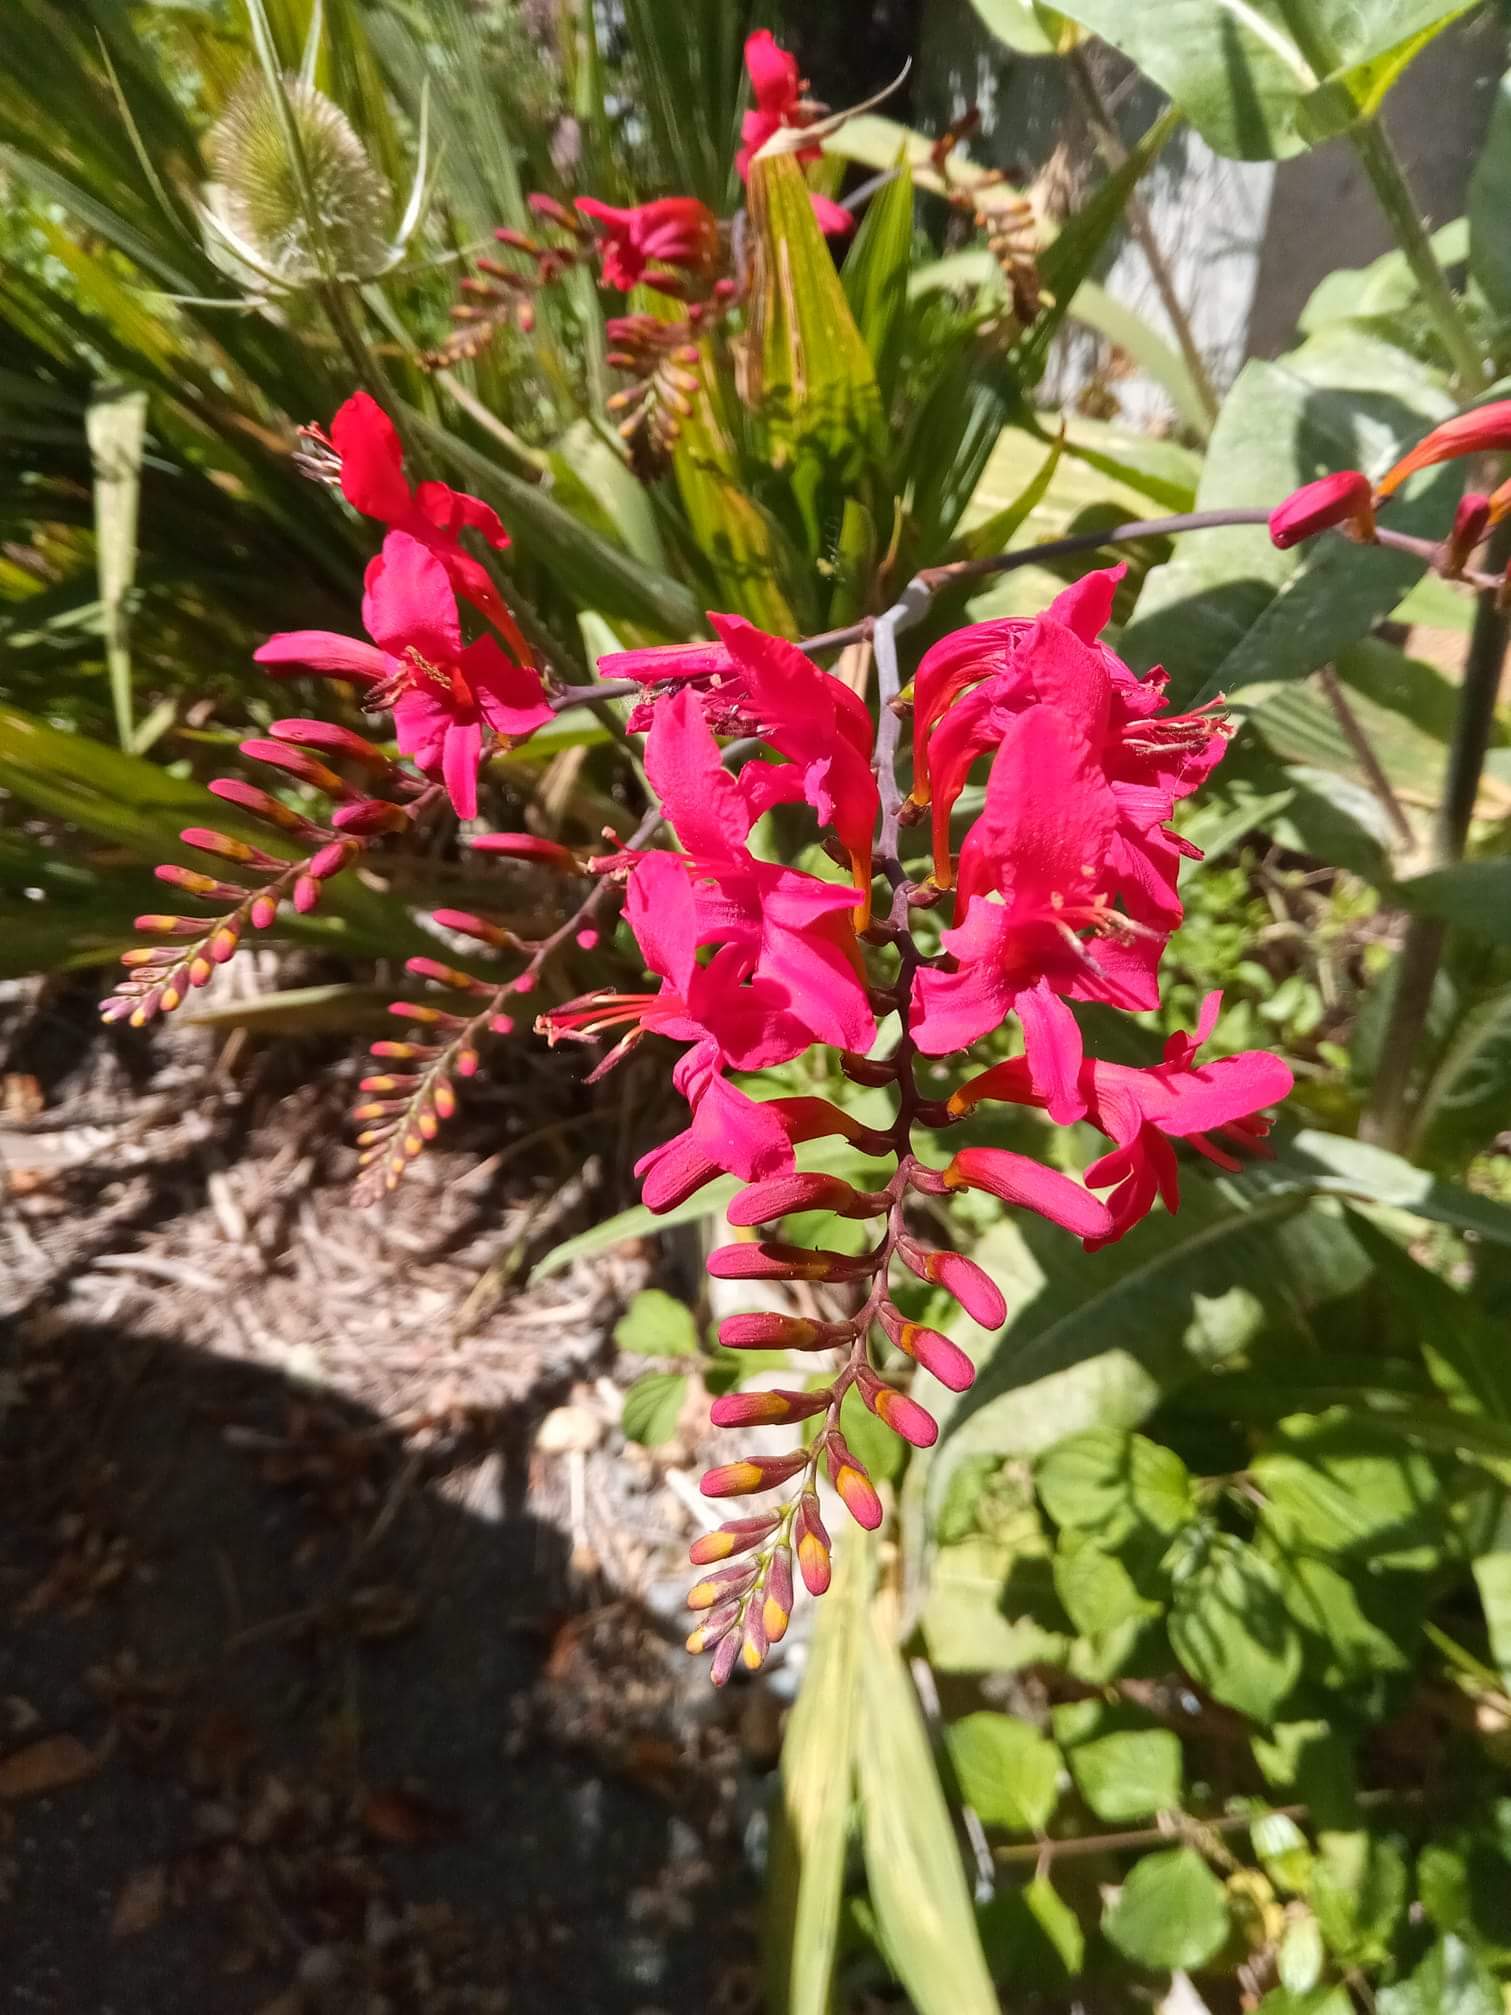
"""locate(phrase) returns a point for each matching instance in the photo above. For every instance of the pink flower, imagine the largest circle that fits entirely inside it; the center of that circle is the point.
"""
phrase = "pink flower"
(373, 482)
(1028, 1185)
(672, 231)
(1341, 499)
(1485, 430)
(1033, 875)
(683, 1165)
(1143, 1110)
(442, 694)
(778, 92)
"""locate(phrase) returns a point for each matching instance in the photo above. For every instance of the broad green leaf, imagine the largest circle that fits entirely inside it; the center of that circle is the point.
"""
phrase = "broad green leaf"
(653, 1406)
(1359, 1889)
(1129, 1772)
(1171, 1911)
(812, 385)
(1300, 1956)
(1007, 1770)
(1385, 287)
(811, 1819)
(1229, 610)
(1234, 67)
(1464, 1102)
(1347, 1487)
(1335, 1165)
(1108, 1484)
(117, 425)
(1451, 1980)
(1319, 2001)
(1474, 895)
(1358, 1631)
(1230, 1628)
(656, 1324)
(917, 1884)
(1490, 205)
(1098, 1591)
(1018, 23)
(992, 1609)
(1284, 1853)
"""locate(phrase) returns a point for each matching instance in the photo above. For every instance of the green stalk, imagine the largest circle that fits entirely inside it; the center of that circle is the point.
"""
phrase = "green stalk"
(1383, 166)
(1387, 177)
(1388, 1119)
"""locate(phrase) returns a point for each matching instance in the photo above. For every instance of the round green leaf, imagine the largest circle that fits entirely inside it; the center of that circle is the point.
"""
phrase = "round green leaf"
(657, 1325)
(1007, 1770)
(1170, 1912)
(1230, 1629)
(1130, 1775)
(652, 1407)
(1108, 1484)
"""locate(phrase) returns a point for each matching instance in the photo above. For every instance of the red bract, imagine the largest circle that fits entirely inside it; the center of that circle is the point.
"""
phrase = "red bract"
(672, 231)
(442, 693)
(373, 482)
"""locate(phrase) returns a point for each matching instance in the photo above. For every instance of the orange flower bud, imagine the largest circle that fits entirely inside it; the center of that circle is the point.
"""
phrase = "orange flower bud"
(1485, 430)
(753, 1472)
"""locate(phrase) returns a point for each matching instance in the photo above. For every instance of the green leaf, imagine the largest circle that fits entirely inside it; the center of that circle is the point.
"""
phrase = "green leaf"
(1300, 1955)
(1234, 69)
(1490, 205)
(811, 1819)
(117, 426)
(1130, 1774)
(1018, 24)
(657, 1325)
(1462, 1105)
(1336, 1484)
(1451, 1980)
(1336, 1165)
(653, 1406)
(814, 387)
(1108, 1484)
(1229, 610)
(917, 1885)
(1031, 1937)
(1007, 1770)
(1473, 895)
(1320, 2001)
(991, 1608)
(875, 277)
(1359, 1890)
(1098, 1591)
(1230, 1628)
(1171, 1911)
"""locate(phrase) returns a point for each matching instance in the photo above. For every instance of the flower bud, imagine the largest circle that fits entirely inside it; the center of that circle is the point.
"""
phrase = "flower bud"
(735, 1535)
(854, 1485)
(1342, 499)
(944, 1360)
(1471, 521)
(814, 1554)
(306, 894)
(226, 936)
(334, 740)
(714, 1626)
(721, 1586)
(971, 1285)
(448, 976)
(1485, 430)
(764, 1329)
(751, 1473)
(205, 840)
(753, 1644)
(763, 1202)
(1029, 1184)
(767, 1260)
(724, 1658)
(527, 847)
(263, 911)
(196, 884)
(261, 806)
(171, 927)
(370, 816)
(766, 1409)
(297, 763)
(776, 1607)
(894, 1409)
(330, 860)
(468, 925)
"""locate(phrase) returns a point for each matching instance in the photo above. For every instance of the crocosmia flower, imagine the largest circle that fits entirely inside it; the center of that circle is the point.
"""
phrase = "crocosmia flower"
(777, 88)
(372, 481)
(672, 231)
(444, 695)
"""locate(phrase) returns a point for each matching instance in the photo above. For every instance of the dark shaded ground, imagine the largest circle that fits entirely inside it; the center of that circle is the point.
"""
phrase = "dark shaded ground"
(325, 1678)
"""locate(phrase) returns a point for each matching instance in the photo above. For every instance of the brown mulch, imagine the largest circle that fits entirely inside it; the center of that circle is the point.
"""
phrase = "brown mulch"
(337, 1665)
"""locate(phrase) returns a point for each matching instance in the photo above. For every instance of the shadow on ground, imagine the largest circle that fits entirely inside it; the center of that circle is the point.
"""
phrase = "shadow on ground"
(285, 1727)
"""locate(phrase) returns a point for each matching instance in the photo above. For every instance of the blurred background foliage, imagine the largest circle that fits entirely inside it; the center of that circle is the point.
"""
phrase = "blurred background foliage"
(1188, 1659)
